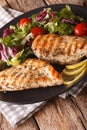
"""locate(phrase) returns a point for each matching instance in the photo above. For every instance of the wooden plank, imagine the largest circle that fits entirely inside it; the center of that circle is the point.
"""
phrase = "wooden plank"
(60, 114)
(81, 102)
(3, 3)
(78, 2)
(28, 125)
(23, 5)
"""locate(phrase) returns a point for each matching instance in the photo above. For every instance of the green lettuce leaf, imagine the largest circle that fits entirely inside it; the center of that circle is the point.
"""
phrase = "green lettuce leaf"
(15, 38)
(19, 57)
(52, 27)
(66, 13)
(65, 29)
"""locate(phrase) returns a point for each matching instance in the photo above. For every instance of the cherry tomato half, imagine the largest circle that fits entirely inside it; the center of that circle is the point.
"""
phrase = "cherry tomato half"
(24, 21)
(37, 31)
(80, 29)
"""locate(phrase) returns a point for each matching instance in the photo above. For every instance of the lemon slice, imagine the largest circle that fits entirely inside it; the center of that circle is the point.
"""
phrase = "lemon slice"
(74, 71)
(76, 65)
(76, 78)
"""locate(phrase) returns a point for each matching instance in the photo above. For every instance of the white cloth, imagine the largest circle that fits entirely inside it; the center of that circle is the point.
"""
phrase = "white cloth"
(17, 114)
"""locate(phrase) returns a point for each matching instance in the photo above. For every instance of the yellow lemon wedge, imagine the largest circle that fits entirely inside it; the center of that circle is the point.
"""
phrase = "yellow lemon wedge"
(75, 78)
(77, 65)
(74, 71)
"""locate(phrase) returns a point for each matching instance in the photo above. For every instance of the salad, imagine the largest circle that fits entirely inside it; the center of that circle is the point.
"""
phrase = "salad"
(15, 43)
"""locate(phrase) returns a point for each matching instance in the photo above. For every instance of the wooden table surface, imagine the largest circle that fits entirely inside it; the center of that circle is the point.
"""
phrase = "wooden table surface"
(57, 114)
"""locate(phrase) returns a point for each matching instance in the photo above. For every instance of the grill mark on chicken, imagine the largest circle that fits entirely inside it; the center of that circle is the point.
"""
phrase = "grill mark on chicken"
(45, 45)
(83, 45)
(33, 73)
(16, 73)
(50, 45)
(75, 48)
(56, 75)
(72, 49)
(38, 40)
(23, 76)
(56, 47)
(61, 49)
(69, 50)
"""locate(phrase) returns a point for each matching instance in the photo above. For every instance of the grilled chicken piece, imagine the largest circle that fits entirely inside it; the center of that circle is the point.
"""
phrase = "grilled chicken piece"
(60, 49)
(33, 73)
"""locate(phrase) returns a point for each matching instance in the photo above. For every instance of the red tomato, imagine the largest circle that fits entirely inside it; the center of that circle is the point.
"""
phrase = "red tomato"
(80, 29)
(23, 21)
(37, 31)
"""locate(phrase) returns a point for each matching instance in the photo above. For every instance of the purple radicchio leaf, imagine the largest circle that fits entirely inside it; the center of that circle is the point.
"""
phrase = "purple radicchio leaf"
(64, 20)
(41, 15)
(7, 32)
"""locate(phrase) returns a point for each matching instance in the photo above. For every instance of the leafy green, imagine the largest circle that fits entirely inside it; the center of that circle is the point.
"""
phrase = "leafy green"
(66, 13)
(57, 26)
(33, 17)
(15, 38)
(19, 57)
(65, 29)
(15, 60)
(52, 26)
(27, 53)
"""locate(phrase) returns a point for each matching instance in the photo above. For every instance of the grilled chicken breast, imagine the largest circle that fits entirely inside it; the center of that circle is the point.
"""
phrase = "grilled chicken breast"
(33, 73)
(60, 49)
